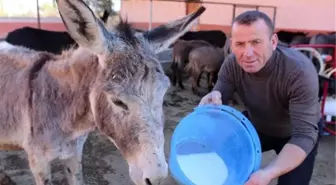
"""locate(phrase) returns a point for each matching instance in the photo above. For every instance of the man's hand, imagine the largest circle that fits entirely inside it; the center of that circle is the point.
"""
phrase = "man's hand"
(260, 177)
(290, 157)
(214, 97)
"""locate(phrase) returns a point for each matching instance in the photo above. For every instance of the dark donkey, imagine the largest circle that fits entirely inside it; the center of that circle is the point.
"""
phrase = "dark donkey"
(113, 81)
(44, 40)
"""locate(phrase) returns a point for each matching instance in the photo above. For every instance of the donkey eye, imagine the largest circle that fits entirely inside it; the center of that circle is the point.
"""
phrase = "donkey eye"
(119, 103)
(157, 70)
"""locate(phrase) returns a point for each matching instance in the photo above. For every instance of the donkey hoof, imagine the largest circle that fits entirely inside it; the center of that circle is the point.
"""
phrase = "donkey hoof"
(210, 89)
(196, 92)
(235, 102)
(5, 179)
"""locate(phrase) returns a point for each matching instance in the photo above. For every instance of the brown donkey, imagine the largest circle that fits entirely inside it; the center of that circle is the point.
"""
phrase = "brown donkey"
(206, 59)
(181, 50)
(113, 82)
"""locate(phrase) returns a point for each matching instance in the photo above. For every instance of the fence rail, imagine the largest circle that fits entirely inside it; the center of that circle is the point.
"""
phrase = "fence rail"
(233, 5)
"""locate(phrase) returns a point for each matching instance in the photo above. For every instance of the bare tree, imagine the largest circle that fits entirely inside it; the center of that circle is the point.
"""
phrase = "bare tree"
(99, 6)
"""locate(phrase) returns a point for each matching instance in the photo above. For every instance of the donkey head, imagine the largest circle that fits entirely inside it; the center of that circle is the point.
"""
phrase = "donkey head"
(127, 97)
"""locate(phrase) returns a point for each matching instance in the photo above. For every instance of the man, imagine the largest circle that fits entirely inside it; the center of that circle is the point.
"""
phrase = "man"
(279, 87)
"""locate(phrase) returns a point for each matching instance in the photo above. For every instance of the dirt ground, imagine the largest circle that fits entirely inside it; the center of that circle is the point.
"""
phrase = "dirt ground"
(103, 164)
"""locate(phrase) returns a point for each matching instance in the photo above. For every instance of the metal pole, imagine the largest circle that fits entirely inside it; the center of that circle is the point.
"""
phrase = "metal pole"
(150, 14)
(222, 3)
(274, 15)
(38, 14)
(233, 13)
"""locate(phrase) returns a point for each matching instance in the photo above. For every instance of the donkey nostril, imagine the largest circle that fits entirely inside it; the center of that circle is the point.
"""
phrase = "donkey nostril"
(148, 182)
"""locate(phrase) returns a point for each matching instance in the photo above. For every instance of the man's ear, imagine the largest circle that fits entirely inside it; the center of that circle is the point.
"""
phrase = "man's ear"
(275, 41)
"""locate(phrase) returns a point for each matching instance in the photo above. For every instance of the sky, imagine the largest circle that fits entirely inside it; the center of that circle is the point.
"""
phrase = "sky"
(19, 5)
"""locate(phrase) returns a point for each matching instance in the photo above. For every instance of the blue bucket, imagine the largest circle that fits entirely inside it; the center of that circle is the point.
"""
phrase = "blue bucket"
(214, 145)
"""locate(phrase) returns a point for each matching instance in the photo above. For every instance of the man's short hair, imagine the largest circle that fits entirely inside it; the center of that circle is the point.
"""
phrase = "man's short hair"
(249, 17)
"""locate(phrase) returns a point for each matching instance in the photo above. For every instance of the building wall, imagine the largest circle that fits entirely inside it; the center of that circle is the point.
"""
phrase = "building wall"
(293, 15)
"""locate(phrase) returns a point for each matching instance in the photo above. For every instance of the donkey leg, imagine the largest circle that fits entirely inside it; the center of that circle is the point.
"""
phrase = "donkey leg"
(208, 77)
(174, 72)
(211, 76)
(199, 79)
(40, 168)
(196, 74)
(73, 165)
(179, 75)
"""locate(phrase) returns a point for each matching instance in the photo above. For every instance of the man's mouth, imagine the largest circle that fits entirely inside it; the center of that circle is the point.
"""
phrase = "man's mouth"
(250, 61)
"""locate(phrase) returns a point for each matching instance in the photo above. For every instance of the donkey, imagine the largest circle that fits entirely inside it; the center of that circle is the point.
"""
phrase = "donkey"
(204, 59)
(181, 50)
(44, 40)
(214, 37)
(113, 82)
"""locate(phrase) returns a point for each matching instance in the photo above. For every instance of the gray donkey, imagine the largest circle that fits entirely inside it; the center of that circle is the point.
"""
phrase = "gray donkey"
(113, 81)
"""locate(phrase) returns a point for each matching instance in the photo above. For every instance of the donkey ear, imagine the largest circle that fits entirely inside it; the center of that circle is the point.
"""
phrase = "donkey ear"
(83, 26)
(163, 36)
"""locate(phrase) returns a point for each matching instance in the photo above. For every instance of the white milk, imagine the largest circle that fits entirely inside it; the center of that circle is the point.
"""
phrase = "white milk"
(330, 106)
(203, 168)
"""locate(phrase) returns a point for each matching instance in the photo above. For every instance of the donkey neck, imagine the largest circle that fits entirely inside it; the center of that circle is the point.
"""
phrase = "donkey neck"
(68, 82)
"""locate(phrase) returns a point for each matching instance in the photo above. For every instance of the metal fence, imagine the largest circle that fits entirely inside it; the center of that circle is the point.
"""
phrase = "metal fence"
(234, 7)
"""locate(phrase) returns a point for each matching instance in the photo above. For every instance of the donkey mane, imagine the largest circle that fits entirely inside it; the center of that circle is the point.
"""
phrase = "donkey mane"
(126, 31)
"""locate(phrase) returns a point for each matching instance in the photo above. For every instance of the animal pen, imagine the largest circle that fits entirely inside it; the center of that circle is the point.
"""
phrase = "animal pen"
(327, 69)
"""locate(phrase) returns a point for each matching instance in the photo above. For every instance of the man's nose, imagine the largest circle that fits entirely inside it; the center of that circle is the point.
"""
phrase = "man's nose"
(248, 50)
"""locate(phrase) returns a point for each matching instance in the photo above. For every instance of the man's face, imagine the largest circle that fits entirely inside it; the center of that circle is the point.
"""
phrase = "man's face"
(252, 45)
